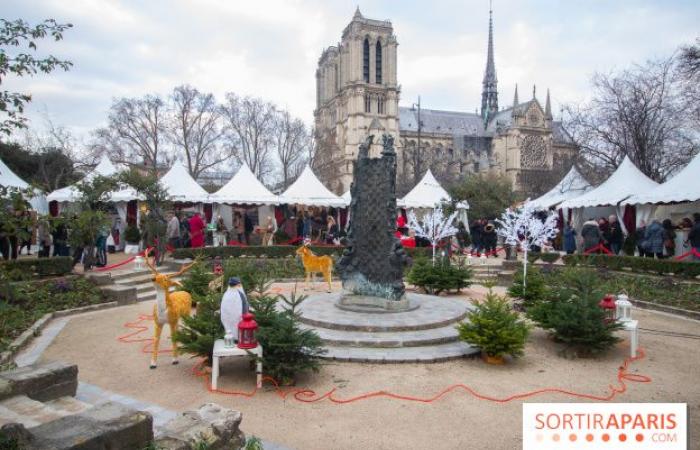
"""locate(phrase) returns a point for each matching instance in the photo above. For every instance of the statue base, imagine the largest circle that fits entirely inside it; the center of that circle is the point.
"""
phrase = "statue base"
(367, 303)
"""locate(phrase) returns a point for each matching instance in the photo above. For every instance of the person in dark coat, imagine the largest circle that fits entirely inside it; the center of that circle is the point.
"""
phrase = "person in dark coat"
(569, 239)
(669, 237)
(654, 240)
(475, 230)
(694, 236)
(639, 237)
(614, 236)
(489, 239)
(591, 235)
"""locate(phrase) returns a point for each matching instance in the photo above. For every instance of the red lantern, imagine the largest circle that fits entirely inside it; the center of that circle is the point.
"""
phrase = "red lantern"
(608, 304)
(246, 331)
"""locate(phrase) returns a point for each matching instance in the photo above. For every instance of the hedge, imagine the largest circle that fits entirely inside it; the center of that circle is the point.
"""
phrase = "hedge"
(24, 269)
(274, 251)
(683, 269)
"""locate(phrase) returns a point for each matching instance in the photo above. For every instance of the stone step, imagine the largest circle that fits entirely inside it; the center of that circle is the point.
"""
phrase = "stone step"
(320, 311)
(397, 339)
(128, 272)
(424, 354)
(68, 405)
(146, 296)
(28, 412)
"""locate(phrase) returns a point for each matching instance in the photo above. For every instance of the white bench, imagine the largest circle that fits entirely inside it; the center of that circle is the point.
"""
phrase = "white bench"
(221, 351)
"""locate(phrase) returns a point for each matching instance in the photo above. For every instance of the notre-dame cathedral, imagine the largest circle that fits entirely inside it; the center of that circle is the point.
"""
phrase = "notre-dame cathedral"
(357, 94)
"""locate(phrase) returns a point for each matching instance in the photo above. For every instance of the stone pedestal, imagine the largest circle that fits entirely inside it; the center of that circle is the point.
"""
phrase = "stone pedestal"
(367, 303)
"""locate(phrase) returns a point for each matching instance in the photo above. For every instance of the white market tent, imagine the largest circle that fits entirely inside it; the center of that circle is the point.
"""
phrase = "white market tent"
(684, 187)
(182, 187)
(347, 197)
(309, 191)
(10, 179)
(571, 186)
(625, 181)
(104, 168)
(677, 198)
(427, 194)
(244, 189)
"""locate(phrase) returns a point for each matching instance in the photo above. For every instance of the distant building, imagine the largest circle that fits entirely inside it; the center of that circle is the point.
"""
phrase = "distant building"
(357, 94)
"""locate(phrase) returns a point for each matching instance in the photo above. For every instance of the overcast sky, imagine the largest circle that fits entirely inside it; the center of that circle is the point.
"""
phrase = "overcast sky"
(270, 48)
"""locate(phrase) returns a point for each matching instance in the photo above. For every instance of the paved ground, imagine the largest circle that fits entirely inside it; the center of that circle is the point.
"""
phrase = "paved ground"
(455, 421)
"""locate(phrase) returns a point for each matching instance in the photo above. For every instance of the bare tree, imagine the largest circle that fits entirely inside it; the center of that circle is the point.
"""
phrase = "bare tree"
(135, 131)
(291, 141)
(54, 149)
(689, 60)
(249, 132)
(194, 127)
(638, 113)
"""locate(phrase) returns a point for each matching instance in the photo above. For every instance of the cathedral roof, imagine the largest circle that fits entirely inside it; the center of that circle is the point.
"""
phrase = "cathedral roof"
(435, 121)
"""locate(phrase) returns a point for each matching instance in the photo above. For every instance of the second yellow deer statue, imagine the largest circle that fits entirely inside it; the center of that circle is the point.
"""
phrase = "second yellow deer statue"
(316, 264)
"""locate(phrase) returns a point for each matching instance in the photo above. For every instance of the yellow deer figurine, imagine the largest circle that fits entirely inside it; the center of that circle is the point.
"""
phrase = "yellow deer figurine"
(315, 264)
(169, 307)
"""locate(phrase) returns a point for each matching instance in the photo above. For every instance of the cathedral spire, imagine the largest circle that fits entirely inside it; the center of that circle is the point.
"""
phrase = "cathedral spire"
(489, 93)
(515, 97)
(358, 14)
(548, 108)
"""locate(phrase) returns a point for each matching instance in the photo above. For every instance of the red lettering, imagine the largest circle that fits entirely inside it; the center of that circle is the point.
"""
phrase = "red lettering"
(539, 424)
(626, 419)
(672, 421)
(652, 421)
(638, 422)
(566, 425)
(556, 421)
(612, 422)
(598, 421)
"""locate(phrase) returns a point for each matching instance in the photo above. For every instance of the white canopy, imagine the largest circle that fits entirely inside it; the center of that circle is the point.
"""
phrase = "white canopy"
(245, 189)
(308, 190)
(181, 186)
(571, 186)
(104, 168)
(10, 179)
(427, 194)
(625, 181)
(684, 187)
(347, 198)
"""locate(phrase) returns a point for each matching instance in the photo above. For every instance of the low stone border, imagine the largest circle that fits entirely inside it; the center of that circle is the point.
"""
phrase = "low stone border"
(24, 339)
(667, 309)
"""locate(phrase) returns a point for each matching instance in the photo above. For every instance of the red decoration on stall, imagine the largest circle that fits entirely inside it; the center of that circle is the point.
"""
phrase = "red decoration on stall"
(246, 331)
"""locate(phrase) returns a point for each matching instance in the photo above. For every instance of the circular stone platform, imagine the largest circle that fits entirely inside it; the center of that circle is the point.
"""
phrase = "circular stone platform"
(426, 333)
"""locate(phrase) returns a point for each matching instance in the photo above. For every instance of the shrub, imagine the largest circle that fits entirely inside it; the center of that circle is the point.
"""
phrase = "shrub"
(196, 281)
(289, 349)
(550, 257)
(26, 269)
(494, 327)
(535, 289)
(440, 277)
(572, 315)
(533, 256)
(684, 269)
(274, 251)
(132, 234)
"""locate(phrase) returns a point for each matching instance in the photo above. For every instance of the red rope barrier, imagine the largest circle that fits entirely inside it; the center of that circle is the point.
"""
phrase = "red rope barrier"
(309, 396)
(692, 252)
(596, 248)
(119, 264)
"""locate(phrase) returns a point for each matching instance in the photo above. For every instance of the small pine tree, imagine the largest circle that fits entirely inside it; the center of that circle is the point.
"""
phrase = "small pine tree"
(442, 276)
(197, 280)
(199, 331)
(495, 328)
(536, 287)
(572, 315)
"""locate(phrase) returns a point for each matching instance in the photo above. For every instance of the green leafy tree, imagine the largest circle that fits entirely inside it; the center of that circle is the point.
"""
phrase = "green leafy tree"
(488, 195)
(494, 327)
(157, 200)
(14, 221)
(17, 39)
(91, 215)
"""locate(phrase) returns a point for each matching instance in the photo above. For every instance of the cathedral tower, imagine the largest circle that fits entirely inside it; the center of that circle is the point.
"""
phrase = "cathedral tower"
(489, 93)
(356, 95)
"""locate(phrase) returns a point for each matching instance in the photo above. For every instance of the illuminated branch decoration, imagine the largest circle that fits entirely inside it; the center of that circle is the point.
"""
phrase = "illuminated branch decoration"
(433, 227)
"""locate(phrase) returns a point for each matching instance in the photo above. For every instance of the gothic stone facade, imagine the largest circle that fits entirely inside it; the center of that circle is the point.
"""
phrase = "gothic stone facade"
(358, 95)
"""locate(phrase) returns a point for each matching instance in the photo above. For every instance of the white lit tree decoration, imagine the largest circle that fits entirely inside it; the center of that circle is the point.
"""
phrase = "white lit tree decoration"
(434, 226)
(522, 228)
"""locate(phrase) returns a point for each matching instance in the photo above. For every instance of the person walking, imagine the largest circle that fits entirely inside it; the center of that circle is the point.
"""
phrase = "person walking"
(248, 227)
(268, 235)
(172, 231)
(44, 238)
(654, 240)
(221, 232)
(239, 227)
(196, 231)
(569, 238)
(694, 237)
(331, 231)
(591, 235)
(615, 235)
